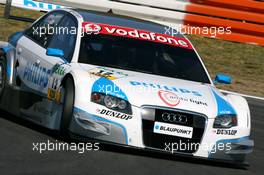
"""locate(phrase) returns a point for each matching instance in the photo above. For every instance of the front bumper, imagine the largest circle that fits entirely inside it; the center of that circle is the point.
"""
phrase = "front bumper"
(130, 134)
(239, 148)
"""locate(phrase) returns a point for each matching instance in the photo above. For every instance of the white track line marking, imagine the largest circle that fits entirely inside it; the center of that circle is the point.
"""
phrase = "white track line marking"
(244, 95)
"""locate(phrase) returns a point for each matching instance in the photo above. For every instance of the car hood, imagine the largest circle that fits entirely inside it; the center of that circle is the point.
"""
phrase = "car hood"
(142, 89)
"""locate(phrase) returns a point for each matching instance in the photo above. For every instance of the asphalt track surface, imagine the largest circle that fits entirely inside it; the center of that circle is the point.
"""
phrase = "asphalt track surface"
(16, 155)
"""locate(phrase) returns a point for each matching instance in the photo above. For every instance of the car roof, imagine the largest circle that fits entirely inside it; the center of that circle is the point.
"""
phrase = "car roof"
(123, 21)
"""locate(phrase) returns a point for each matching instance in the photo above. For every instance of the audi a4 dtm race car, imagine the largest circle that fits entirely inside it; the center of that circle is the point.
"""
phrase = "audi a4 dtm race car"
(124, 81)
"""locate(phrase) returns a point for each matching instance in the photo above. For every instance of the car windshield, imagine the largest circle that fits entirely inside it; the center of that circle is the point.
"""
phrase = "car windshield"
(142, 56)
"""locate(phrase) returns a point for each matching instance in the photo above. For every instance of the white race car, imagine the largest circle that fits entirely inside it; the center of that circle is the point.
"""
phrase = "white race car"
(124, 81)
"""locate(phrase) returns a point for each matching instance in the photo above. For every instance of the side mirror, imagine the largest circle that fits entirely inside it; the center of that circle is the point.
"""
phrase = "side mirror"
(55, 52)
(224, 79)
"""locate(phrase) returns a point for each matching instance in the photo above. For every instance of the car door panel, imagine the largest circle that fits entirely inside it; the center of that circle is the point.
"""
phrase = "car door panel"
(35, 67)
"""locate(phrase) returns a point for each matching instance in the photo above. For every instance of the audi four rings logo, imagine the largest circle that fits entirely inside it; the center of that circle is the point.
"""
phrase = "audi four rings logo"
(177, 118)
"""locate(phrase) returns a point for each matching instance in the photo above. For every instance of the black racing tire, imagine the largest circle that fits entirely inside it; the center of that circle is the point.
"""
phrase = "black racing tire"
(3, 75)
(68, 105)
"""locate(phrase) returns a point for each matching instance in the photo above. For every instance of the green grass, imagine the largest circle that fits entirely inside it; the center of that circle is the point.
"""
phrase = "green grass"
(8, 27)
(244, 62)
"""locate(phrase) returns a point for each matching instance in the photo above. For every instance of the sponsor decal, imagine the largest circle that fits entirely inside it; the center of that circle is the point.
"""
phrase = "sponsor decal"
(51, 93)
(112, 123)
(110, 74)
(55, 83)
(31, 4)
(169, 98)
(59, 70)
(225, 132)
(135, 34)
(92, 28)
(166, 88)
(197, 102)
(114, 114)
(37, 74)
(54, 92)
(174, 130)
(54, 95)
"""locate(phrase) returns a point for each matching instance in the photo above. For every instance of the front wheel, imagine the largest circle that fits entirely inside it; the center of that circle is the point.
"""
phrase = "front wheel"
(68, 104)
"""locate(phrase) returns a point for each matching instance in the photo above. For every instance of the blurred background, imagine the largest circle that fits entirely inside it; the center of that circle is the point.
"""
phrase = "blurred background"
(240, 55)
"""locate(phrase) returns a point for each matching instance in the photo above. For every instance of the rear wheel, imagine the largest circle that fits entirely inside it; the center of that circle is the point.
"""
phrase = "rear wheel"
(68, 104)
(2, 73)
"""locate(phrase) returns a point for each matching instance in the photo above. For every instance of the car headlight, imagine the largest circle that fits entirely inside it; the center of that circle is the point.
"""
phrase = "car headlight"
(225, 121)
(112, 102)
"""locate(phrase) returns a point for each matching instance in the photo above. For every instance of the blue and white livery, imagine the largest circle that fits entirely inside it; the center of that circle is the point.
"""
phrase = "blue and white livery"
(121, 80)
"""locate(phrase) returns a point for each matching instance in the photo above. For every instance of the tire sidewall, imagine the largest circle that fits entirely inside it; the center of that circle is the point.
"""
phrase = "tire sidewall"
(68, 105)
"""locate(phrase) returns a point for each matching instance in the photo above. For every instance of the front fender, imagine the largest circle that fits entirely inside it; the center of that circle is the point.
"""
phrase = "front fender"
(243, 112)
(83, 82)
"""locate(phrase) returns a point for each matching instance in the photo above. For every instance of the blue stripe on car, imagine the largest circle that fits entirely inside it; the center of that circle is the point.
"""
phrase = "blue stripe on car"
(7, 48)
(14, 38)
(223, 106)
(106, 86)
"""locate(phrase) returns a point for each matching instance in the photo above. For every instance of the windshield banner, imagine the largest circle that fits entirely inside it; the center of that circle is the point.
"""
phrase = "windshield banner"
(94, 28)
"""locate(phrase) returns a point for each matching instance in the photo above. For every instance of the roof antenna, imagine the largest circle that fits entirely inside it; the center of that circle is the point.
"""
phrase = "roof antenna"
(110, 11)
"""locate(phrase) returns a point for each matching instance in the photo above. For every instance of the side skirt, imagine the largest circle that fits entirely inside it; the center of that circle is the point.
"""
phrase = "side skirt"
(32, 107)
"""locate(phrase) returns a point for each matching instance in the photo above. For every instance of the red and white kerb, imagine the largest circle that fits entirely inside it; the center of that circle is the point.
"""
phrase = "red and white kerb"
(92, 28)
